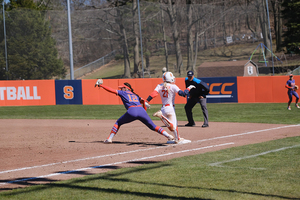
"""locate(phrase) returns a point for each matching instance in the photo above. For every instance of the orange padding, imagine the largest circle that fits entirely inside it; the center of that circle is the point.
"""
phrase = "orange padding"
(263, 89)
(143, 87)
(27, 92)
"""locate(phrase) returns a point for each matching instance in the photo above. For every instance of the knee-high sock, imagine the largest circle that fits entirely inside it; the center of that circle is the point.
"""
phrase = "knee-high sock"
(175, 132)
(113, 131)
(161, 131)
(167, 122)
(170, 126)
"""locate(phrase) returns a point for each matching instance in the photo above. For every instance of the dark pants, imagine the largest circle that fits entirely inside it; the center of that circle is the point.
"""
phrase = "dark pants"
(136, 113)
(290, 94)
(190, 105)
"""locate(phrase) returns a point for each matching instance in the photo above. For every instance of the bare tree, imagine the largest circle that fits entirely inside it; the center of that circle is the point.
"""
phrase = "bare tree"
(276, 5)
(171, 10)
(200, 22)
(136, 58)
(248, 12)
(117, 18)
(190, 41)
(164, 37)
(224, 22)
(263, 18)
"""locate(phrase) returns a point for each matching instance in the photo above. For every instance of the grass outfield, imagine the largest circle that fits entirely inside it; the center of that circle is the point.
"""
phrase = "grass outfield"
(273, 113)
(268, 170)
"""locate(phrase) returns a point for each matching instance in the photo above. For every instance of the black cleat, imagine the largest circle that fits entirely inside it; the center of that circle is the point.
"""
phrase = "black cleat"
(188, 124)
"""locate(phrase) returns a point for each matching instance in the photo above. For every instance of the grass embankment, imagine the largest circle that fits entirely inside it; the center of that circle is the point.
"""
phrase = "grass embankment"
(115, 69)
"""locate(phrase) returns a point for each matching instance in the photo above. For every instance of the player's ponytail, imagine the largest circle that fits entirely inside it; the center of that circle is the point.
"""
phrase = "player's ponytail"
(131, 89)
(166, 87)
(128, 85)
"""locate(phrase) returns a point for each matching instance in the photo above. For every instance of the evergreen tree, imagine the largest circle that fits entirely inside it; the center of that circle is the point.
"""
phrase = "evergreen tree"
(31, 49)
(291, 14)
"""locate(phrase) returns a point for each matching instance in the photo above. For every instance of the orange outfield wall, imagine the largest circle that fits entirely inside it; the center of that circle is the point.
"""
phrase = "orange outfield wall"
(143, 87)
(264, 89)
(25, 93)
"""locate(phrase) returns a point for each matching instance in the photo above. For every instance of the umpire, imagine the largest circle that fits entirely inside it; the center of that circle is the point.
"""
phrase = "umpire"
(196, 95)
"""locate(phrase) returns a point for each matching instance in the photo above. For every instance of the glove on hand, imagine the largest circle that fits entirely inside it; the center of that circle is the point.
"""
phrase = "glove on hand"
(186, 92)
(147, 105)
(188, 89)
(99, 82)
(191, 87)
(296, 87)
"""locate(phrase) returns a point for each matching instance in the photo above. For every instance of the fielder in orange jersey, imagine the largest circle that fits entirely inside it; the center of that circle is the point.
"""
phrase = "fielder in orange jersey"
(167, 91)
(135, 111)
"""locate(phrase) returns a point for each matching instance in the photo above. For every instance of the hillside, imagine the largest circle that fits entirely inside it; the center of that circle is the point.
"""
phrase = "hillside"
(115, 69)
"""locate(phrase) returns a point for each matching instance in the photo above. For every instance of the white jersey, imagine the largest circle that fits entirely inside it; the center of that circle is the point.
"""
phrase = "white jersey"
(168, 93)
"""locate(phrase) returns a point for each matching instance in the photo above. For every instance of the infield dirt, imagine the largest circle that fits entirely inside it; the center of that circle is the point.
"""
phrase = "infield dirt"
(35, 151)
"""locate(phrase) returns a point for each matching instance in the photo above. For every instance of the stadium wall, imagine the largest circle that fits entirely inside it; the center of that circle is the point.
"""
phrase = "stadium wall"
(263, 89)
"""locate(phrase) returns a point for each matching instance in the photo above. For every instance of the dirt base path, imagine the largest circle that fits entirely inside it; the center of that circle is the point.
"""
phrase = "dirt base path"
(42, 151)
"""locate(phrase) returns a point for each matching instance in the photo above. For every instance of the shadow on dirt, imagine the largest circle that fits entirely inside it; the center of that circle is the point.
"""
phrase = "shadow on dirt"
(143, 144)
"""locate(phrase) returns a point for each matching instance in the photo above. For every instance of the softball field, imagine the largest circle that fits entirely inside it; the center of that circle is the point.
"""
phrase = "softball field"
(39, 151)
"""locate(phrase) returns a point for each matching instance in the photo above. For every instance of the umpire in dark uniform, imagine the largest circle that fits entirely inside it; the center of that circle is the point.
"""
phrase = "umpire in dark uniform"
(196, 95)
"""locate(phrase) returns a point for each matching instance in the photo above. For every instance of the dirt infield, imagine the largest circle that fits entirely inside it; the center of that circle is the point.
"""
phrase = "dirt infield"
(41, 151)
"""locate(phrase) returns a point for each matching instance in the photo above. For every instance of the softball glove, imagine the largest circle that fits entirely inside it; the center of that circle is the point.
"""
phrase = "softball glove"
(99, 82)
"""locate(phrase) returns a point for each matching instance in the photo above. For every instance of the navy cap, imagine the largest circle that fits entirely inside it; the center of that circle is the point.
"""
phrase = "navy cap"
(190, 73)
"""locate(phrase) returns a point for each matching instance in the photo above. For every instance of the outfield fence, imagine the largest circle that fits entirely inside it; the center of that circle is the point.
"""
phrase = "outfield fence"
(222, 90)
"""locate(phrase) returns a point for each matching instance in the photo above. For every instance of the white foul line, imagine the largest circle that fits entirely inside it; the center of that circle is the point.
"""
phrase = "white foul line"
(247, 133)
(252, 156)
(77, 160)
(116, 163)
(140, 150)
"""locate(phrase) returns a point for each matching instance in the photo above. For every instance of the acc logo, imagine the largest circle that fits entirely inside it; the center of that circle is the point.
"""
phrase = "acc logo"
(68, 92)
(223, 90)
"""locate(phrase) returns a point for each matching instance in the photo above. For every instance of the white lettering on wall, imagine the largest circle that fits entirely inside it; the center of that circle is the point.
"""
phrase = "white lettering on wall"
(28, 93)
(11, 93)
(18, 93)
(21, 93)
(2, 89)
(35, 94)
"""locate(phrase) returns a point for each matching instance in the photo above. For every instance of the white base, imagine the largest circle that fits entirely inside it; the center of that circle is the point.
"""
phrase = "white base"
(184, 141)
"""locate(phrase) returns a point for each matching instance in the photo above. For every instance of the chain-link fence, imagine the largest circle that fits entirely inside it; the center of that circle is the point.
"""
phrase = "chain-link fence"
(93, 65)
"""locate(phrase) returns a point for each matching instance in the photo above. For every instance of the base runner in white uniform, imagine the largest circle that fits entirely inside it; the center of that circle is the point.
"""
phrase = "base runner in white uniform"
(167, 91)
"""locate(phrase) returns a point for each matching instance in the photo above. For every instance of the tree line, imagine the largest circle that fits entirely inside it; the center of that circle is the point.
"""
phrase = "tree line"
(31, 49)
(37, 32)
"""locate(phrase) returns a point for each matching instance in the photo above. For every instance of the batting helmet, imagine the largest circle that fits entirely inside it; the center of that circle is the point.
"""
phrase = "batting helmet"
(168, 77)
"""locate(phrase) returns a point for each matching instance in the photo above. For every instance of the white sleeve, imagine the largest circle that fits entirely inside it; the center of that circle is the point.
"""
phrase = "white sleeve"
(158, 88)
(175, 88)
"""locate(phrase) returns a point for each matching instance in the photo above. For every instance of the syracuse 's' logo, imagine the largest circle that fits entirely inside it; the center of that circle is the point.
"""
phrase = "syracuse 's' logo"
(68, 92)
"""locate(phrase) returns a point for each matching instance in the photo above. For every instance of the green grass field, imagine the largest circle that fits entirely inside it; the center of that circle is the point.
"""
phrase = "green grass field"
(273, 113)
(269, 170)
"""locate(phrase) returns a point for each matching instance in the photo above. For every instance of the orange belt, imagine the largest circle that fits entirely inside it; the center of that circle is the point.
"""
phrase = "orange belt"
(135, 106)
(168, 105)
